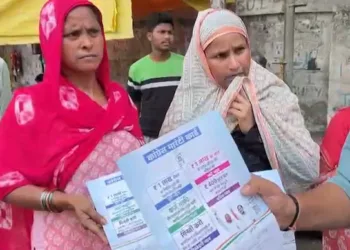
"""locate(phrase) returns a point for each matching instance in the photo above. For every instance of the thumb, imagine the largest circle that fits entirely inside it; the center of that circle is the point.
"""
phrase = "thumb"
(260, 186)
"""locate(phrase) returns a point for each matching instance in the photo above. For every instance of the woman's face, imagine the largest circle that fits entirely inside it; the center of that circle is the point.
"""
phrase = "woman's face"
(83, 43)
(228, 56)
(228, 218)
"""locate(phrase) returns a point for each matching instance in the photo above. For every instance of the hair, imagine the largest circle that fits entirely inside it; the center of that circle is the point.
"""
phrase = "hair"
(158, 18)
(96, 12)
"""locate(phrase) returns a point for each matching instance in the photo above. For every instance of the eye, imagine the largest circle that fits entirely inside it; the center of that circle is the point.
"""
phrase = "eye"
(94, 32)
(240, 50)
(73, 34)
(221, 55)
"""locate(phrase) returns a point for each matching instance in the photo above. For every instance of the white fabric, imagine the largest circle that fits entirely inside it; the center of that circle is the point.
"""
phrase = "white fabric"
(288, 143)
(5, 87)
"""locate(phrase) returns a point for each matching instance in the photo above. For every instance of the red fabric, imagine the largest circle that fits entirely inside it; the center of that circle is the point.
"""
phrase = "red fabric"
(41, 128)
(331, 149)
(333, 141)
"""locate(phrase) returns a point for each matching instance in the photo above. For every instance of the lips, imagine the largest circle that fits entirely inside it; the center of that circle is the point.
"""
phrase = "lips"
(88, 56)
(230, 78)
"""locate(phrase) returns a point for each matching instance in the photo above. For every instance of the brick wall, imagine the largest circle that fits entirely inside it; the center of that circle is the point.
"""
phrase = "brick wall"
(123, 53)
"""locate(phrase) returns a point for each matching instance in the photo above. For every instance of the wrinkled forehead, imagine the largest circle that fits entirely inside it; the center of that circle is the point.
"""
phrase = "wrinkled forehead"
(218, 21)
(83, 11)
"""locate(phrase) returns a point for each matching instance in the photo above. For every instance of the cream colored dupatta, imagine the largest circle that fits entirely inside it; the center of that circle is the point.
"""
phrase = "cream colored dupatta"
(287, 142)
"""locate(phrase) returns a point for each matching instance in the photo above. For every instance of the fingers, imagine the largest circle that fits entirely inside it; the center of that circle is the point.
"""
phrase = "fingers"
(94, 222)
(260, 186)
(238, 105)
(95, 228)
(241, 99)
(238, 110)
(96, 216)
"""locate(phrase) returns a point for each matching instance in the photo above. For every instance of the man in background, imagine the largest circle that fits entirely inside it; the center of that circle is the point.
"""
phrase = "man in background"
(5, 87)
(154, 78)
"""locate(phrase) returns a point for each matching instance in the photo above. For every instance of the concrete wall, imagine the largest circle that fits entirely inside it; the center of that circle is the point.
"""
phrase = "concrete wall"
(321, 57)
(122, 53)
(339, 78)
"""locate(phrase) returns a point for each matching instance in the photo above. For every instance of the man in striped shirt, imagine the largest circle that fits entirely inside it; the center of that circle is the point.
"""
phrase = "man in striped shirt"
(154, 78)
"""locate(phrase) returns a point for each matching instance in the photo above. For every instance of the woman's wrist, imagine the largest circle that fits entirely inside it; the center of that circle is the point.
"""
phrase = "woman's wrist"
(62, 201)
(291, 213)
(246, 128)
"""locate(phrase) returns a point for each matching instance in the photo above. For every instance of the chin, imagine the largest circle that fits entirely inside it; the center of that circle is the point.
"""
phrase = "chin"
(165, 49)
(88, 68)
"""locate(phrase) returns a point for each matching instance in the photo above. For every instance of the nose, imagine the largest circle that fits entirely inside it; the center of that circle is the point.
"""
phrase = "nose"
(233, 63)
(167, 35)
(87, 42)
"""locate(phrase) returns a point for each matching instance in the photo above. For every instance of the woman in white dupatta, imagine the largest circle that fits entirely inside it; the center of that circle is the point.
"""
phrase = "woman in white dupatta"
(219, 74)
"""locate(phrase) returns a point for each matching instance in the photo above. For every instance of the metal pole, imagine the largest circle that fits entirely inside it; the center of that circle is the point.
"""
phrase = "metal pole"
(218, 4)
(289, 16)
(289, 41)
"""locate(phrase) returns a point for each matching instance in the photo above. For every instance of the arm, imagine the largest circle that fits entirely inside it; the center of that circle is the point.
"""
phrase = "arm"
(29, 197)
(134, 88)
(251, 140)
(325, 207)
(328, 206)
(252, 149)
(297, 154)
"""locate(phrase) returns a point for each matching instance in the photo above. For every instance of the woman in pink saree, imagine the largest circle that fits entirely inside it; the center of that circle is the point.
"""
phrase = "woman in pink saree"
(58, 134)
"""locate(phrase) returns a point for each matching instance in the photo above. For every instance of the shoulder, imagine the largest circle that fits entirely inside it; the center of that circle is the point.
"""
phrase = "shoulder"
(343, 111)
(341, 117)
(139, 63)
(177, 57)
(138, 67)
(116, 86)
(23, 108)
(33, 90)
(37, 95)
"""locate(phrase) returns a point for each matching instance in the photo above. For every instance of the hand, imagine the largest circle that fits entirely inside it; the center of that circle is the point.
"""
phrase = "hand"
(280, 204)
(242, 110)
(85, 212)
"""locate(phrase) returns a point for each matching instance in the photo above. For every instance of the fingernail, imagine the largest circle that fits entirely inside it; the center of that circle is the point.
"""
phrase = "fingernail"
(245, 189)
(104, 221)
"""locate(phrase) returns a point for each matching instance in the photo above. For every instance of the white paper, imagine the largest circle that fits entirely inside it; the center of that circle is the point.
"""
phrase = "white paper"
(187, 185)
(126, 228)
(288, 237)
